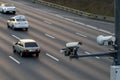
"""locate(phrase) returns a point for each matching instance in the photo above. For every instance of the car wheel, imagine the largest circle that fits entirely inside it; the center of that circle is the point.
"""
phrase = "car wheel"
(14, 51)
(8, 25)
(14, 12)
(13, 27)
(3, 11)
(26, 29)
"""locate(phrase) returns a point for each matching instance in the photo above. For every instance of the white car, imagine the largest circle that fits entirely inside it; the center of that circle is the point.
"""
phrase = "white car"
(26, 47)
(7, 8)
(18, 22)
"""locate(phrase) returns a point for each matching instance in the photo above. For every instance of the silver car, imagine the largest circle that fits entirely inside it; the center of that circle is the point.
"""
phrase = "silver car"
(5, 8)
(18, 22)
(26, 47)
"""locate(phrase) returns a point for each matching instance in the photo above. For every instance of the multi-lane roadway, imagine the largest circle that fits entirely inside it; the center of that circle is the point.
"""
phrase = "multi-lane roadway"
(52, 31)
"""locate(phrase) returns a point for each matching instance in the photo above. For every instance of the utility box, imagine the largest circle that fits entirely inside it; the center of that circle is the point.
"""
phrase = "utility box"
(115, 73)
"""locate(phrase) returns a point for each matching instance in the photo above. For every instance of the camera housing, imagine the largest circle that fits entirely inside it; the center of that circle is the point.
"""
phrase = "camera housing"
(106, 40)
(73, 44)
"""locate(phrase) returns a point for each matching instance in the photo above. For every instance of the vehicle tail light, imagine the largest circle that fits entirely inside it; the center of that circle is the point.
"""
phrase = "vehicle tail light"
(38, 50)
(24, 51)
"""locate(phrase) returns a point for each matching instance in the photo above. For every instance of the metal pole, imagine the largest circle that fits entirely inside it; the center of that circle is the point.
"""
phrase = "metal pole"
(117, 31)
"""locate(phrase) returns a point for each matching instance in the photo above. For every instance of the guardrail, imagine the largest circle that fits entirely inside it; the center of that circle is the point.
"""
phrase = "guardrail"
(81, 13)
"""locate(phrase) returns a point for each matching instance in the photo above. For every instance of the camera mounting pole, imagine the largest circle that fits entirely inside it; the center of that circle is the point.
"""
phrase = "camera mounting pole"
(117, 31)
(115, 68)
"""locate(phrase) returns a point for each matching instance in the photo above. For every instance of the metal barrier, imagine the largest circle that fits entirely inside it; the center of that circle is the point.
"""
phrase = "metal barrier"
(81, 13)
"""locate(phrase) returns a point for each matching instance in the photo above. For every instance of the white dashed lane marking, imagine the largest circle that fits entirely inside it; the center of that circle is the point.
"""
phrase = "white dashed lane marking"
(54, 58)
(49, 36)
(81, 35)
(14, 60)
(15, 37)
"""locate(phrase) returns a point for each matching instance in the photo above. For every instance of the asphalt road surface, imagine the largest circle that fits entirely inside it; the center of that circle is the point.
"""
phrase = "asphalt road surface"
(52, 28)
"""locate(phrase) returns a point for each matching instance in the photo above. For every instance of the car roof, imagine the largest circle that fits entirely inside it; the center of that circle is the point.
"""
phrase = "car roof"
(19, 17)
(27, 40)
(6, 4)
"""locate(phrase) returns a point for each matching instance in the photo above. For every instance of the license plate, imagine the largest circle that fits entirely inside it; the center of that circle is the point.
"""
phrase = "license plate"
(31, 50)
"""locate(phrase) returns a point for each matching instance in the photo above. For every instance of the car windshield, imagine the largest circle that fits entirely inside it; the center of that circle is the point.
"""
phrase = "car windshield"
(31, 44)
(20, 20)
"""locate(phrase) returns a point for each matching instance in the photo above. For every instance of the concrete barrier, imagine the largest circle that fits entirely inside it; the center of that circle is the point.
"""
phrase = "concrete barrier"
(81, 13)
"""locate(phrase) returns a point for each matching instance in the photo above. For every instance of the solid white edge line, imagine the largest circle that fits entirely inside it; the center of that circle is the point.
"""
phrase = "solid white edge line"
(105, 31)
(52, 57)
(81, 34)
(58, 16)
(16, 37)
(14, 59)
(69, 19)
(50, 36)
(90, 53)
(79, 23)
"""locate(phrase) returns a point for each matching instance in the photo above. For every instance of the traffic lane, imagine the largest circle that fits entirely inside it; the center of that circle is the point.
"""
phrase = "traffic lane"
(40, 38)
(53, 52)
(53, 74)
(5, 40)
(73, 72)
(79, 34)
(57, 67)
(10, 69)
(71, 23)
(35, 31)
(34, 19)
(45, 41)
(56, 31)
(34, 64)
(39, 67)
(42, 11)
(103, 25)
(99, 24)
(9, 51)
(11, 54)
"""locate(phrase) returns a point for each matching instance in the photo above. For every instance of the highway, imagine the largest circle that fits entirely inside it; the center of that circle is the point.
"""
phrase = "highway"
(52, 31)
